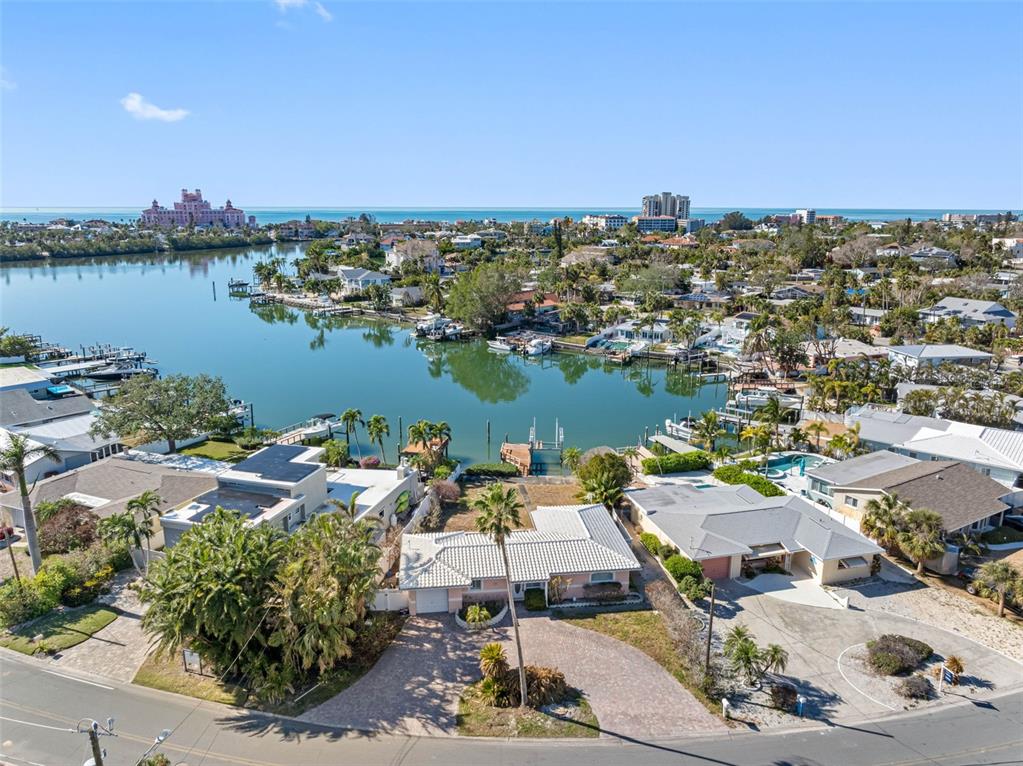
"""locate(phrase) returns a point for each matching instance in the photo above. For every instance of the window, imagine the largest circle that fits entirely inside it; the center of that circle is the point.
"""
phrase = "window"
(602, 577)
(853, 502)
(476, 585)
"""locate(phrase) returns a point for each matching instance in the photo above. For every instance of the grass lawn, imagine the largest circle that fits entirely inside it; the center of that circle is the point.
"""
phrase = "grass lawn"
(215, 449)
(165, 672)
(1002, 535)
(572, 718)
(60, 630)
(642, 629)
(551, 494)
(168, 674)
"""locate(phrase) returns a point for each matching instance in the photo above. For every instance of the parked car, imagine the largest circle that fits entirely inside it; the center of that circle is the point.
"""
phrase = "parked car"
(968, 574)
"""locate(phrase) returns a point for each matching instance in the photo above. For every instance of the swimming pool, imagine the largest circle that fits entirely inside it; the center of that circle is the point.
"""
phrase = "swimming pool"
(786, 462)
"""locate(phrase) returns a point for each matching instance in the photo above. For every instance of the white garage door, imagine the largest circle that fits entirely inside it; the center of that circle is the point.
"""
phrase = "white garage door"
(431, 600)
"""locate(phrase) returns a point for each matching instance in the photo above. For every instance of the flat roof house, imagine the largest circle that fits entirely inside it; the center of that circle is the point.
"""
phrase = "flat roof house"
(281, 485)
(580, 544)
(731, 529)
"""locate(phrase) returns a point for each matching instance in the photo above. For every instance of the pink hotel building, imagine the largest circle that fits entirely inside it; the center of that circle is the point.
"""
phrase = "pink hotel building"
(193, 209)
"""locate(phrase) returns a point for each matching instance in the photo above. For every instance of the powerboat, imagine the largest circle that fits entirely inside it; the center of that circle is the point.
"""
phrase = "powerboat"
(120, 372)
(431, 323)
(537, 347)
(755, 398)
(499, 344)
(453, 331)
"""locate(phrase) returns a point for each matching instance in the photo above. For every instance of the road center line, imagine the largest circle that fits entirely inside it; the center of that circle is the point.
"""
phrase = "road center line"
(79, 680)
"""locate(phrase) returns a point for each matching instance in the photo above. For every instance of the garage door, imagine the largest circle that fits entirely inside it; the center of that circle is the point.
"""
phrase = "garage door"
(431, 600)
(716, 569)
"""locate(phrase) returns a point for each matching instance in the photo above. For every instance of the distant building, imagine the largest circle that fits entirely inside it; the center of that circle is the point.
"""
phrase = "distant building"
(1011, 246)
(193, 210)
(666, 204)
(931, 256)
(976, 219)
(648, 223)
(834, 221)
(969, 313)
(605, 222)
(691, 225)
(467, 242)
(423, 251)
(806, 216)
(935, 354)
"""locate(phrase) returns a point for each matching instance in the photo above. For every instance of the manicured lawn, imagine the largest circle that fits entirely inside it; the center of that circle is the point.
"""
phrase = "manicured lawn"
(165, 672)
(642, 629)
(214, 449)
(569, 719)
(60, 630)
(168, 674)
(1002, 535)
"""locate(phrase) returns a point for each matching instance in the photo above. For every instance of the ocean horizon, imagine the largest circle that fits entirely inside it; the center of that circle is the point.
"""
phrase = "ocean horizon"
(267, 215)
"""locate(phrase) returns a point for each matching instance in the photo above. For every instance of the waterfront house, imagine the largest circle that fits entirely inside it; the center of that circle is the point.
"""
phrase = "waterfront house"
(581, 545)
(423, 253)
(467, 242)
(733, 529)
(403, 297)
(380, 494)
(822, 479)
(912, 357)
(656, 331)
(356, 279)
(969, 313)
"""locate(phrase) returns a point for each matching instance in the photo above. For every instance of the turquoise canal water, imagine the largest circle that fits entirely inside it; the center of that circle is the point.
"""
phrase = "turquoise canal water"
(291, 365)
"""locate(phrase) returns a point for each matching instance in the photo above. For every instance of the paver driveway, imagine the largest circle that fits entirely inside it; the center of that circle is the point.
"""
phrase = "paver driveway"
(414, 688)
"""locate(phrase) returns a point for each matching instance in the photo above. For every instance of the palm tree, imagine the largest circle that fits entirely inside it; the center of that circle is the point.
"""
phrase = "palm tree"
(751, 434)
(441, 432)
(772, 413)
(708, 430)
(743, 653)
(351, 419)
(920, 540)
(818, 429)
(146, 505)
(723, 454)
(1001, 577)
(883, 520)
(378, 430)
(13, 458)
(572, 457)
(125, 529)
(498, 515)
(493, 661)
(434, 294)
(602, 488)
(774, 659)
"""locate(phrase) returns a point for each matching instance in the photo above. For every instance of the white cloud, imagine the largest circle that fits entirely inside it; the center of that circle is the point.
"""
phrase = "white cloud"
(135, 105)
(323, 12)
(6, 83)
(284, 5)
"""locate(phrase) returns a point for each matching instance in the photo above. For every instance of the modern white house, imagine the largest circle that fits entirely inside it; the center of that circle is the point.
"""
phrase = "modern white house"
(423, 252)
(579, 546)
(657, 331)
(281, 485)
(935, 354)
(380, 493)
(733, 529)
(969, 313)
(467, 242)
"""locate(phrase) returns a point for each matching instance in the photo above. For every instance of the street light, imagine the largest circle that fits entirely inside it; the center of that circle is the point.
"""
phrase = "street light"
(156, 742)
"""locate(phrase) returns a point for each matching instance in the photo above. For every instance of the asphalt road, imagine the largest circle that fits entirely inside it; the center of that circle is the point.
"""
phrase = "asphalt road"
(212, 735)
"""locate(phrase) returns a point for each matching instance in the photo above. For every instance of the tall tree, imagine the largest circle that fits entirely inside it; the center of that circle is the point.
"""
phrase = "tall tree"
(168, 409)
(147, 507)
(884, 519)
(1000, 577)
(351, 419)
(499, 509)
(920, 538)
(13, 459)
(378, 430)
(125, 529)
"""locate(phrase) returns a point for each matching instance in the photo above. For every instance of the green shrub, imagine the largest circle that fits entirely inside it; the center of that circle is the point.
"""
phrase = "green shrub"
(534, 600)
(694, 588)
(698, 460)
(651, 542)
(20, 603)
(885, 663)
(914, 688)
(602, 592)
(733, 474)
(666, 551)
(680, 567)
(441, 472)
(492, 469)
(544, 686)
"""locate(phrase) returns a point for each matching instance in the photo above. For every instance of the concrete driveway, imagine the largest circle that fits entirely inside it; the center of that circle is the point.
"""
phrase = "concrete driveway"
(823, 645)
(414, 688)
(795, 590)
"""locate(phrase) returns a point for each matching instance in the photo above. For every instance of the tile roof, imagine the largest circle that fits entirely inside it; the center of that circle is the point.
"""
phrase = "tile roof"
(566, 539)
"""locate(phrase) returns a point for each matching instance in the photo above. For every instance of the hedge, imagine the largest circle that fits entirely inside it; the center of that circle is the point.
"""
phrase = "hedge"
(732, 474)
(680, 567)
(696, 460)
(651, 542)
(492, 469)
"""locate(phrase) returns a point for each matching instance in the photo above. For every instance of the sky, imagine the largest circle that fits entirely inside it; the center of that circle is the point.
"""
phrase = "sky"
(383, 104)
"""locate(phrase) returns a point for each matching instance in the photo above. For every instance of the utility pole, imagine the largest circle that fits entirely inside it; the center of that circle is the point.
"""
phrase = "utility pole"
(97, 753)
(95, 730)
(710, 628)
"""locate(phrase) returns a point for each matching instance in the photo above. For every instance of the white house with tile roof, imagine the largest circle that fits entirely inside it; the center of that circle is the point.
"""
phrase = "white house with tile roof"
(580, 544)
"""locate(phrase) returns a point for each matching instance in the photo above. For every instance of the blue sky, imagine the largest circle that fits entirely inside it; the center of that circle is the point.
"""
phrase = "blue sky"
(484, 104)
